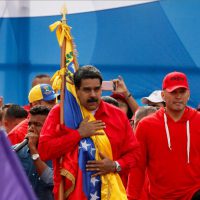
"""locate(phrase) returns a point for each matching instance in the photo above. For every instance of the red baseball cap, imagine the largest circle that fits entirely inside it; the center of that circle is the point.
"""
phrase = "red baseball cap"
(175, 80)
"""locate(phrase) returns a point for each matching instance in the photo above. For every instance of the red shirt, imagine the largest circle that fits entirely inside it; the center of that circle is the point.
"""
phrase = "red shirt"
(173, 174)
(55, 140)
(17, 134)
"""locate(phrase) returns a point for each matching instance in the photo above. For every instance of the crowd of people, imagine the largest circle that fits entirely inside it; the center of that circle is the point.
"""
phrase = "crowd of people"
(117, 150)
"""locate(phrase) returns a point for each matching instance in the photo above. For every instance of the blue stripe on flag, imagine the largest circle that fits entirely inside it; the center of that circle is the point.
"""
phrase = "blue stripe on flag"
(87, 152)
(72, 112)
(72, 118)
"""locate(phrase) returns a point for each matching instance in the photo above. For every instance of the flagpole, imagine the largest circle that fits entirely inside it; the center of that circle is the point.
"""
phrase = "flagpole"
(63, 77)
(63, 65)
(62, 92)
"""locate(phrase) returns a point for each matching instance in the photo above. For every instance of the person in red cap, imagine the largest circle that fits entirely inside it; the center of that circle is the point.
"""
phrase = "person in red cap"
(169, 141)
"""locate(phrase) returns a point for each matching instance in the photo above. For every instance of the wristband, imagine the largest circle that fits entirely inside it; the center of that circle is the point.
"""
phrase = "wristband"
(117, 167)
(129, 95)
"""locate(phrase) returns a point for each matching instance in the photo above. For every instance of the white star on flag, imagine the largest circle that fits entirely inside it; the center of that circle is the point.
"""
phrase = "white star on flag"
(94, 180)
(94, 196)
(91, 151)
(85, 145)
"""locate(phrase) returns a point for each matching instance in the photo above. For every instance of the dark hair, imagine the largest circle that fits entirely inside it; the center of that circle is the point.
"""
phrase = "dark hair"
(15, 111)
(39, 110)
(86, 72)
(7, 105)
(3, 110)
(42, 76)
(110, 100)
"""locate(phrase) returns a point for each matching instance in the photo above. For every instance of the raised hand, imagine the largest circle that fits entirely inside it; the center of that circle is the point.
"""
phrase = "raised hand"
(120, 86)
(32, 141)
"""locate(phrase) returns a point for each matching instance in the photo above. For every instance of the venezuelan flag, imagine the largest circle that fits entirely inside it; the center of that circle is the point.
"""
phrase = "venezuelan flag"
(78, 183)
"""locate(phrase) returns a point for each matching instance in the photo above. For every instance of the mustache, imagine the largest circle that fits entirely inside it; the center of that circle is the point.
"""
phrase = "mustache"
(91, 100)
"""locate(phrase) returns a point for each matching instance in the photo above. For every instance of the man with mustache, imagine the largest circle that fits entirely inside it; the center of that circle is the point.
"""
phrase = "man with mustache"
(57, 142)
(92, 100)
(169, 141)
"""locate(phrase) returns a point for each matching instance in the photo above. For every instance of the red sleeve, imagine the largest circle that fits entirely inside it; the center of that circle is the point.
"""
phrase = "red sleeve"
(130, 149)
(55, 139)
(135, 184)
(137, 175)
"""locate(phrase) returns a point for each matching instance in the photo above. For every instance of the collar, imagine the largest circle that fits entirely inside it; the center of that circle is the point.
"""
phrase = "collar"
(27, 149)
(186, 115)
(94, 111)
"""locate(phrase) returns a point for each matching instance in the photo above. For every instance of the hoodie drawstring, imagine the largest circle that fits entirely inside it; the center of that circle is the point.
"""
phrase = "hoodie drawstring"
(167, 132)
(188, 141)
(188, 137)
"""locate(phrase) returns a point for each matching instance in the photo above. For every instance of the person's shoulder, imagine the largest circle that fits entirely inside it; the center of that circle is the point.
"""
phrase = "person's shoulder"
(21, 127)
(54, 114)
(193, 113)
(154, 118)
(112, 109)
(55, 109)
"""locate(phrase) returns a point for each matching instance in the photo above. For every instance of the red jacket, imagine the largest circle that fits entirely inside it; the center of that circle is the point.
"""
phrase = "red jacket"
(174, 173)
(17, 134)
(55, 140)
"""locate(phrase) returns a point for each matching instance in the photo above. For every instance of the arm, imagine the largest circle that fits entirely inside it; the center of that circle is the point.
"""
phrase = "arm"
(122, 89)
(39, 164)
(137, 175)
(130, 150)
(43, 170)
(135, 183)
(126, 155)
(56, 139)
(47, 175)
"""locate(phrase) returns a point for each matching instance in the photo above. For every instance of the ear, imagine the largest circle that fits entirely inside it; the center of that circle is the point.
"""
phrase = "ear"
(163, 95)
(188, 98)
(5, 124)
(188, 95)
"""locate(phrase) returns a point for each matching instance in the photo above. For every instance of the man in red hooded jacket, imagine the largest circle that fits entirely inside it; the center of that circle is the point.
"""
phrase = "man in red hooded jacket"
(169, 141)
